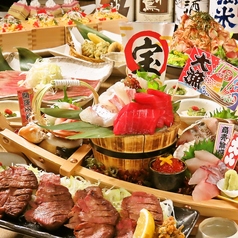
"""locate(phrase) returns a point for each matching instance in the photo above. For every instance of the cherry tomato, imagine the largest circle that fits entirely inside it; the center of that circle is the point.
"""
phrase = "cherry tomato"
(8, 111)
(195, 108)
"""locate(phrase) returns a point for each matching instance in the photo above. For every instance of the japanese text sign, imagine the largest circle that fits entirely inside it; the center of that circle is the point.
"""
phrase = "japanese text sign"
(146, 45)
(231, 154)
(223, 136)
(212, 77)
(226, 13)
(25, 97)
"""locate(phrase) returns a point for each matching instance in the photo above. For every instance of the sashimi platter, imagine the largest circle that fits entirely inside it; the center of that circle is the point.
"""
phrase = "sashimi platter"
(121, 163)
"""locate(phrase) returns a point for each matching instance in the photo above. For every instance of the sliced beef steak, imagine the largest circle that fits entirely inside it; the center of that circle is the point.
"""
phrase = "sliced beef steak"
(93, 210)
(16, 187)
(132, 205)
(88, 229)
(125, 228)
(52, 204)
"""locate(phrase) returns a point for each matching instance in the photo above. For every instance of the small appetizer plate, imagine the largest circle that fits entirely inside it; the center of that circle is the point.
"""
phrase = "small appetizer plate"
(182, 92)
(201, 103)
(8, 159)
(13, 106)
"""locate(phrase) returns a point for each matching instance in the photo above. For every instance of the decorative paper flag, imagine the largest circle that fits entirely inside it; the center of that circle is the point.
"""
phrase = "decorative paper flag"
(231, 154)
(212, 77)
(146, 45)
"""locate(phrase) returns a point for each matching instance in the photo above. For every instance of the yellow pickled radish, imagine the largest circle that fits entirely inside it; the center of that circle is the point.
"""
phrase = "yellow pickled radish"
(145, 227)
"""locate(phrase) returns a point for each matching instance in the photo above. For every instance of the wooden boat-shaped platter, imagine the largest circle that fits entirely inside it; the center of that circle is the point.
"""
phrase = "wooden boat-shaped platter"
(11, 142)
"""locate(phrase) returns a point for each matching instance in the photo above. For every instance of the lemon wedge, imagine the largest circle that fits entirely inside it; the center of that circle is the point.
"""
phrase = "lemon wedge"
(145, 227)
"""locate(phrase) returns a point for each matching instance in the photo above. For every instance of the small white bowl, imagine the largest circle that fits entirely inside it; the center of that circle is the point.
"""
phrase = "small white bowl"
(190, 92)
(119, 62)
(185, 104)
(13, 105)
(217, 227)
(229, 193)
(8, 159)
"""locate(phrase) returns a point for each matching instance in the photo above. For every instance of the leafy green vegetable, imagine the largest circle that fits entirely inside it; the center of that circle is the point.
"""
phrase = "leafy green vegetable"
(84, 30)
(85, 130)
(224, 114)
(151, 79)
(220, 53)
(3, 63)
(233, 61)
(61, 113)
(26, 58)
(205, 144)
(176, 106)
(177, 58)
(66, 98)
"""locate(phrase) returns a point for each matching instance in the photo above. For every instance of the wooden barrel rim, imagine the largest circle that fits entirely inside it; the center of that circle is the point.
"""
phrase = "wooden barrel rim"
(135, 155)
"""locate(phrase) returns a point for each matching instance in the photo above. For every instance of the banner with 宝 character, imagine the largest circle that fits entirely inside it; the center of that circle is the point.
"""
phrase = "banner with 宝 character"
(146, 45)
(212, 77)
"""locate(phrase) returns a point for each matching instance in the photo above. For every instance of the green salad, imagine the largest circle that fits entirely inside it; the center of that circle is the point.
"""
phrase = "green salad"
(196, 111)
(177, 58)
(177, 91)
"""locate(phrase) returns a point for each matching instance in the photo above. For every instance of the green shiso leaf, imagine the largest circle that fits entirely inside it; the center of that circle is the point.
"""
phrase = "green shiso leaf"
(26, 58)
(61, 113)
(85, 130)
(176, 106)
(205, 144)
(224, 114)
(3, 63)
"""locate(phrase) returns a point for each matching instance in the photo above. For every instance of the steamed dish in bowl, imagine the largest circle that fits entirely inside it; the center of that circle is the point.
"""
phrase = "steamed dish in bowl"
(179, 90)
(192, 110)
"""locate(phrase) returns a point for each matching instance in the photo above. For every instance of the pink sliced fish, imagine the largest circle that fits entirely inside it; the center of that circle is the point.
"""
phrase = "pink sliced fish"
(204, 191)
(202, 158)
(205, 178)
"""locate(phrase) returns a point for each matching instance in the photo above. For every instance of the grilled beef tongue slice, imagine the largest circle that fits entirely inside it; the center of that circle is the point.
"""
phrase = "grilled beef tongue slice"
(16, 187)
(92, 209)
(52, 204)
(132, 205)
(125, 228)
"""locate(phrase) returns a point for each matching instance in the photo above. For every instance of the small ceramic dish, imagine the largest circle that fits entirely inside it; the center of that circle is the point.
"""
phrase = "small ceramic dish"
(217, 227)
(208, 105)
(13, 105)
(188, 92)
(8, 159)
(228, 193)
(167, 181)
(119, 62)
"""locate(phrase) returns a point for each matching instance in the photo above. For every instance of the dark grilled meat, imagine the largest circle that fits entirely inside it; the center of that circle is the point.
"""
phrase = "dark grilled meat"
(16, 187)
(52, 204)
(92, 210)
(132, 205)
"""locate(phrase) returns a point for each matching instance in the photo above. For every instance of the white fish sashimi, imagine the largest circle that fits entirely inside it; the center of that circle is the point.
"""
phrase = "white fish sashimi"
(110, 103)
(202, 158)
(199, 175)
(180, 150)
(205, 155)
(194, 164)
(98, 115)
(117, 95)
